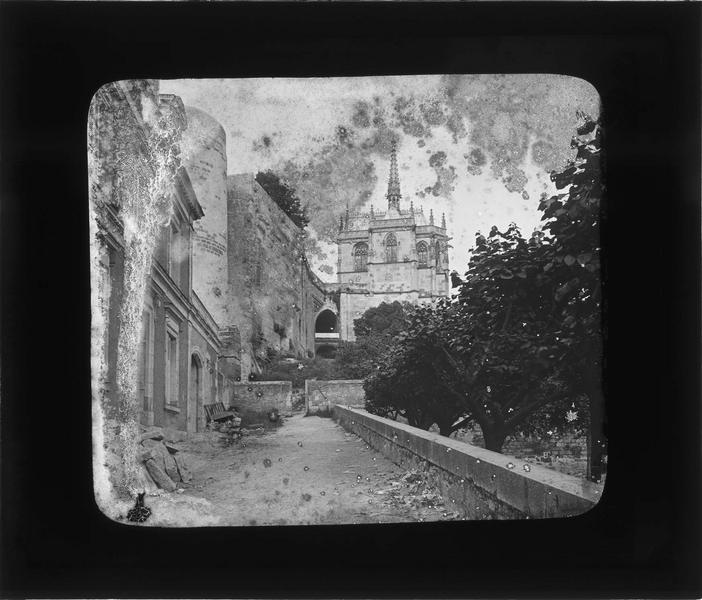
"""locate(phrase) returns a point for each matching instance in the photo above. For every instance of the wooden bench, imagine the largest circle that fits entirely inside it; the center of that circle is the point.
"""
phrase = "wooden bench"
(217, 412)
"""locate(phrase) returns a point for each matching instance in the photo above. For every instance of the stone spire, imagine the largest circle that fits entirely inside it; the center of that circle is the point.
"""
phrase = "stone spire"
(431, 216)
(443, 221)
(341, 223)
(393, 194)
(347, 215)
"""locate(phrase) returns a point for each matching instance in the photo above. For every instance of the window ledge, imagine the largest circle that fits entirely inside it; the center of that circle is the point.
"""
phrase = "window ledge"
(171, 408)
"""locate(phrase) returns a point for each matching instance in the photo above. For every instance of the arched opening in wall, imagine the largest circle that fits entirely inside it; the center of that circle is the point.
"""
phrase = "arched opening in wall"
(326, 334)
(326, 323)
(195, 392)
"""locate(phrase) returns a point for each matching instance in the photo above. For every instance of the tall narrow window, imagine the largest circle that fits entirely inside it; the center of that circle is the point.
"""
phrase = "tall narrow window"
(391, 248)
(422, 254)
(360, 257)
(172, 383)
(175, 255)
(146, 355)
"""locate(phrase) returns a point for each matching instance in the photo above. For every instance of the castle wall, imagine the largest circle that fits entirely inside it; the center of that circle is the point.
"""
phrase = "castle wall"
(253, 400)
(272, 295)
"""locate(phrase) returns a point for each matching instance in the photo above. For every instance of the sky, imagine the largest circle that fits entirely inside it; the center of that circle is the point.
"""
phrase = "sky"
(478, 148)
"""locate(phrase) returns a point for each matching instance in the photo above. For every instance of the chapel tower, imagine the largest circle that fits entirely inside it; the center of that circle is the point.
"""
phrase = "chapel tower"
(397, 254)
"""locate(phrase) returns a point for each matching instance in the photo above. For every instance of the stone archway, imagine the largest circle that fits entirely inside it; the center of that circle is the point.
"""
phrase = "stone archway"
(326, 322)
(326, 333)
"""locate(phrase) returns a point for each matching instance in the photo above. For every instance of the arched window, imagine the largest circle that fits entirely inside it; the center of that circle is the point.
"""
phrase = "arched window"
(391, 248)
(360, 257)
(440, 249)
(422, 254)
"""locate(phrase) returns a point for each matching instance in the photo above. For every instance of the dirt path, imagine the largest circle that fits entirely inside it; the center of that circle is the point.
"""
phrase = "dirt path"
(309, 471)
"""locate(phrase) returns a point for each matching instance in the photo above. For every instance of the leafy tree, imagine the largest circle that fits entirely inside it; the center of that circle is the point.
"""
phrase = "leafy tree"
(500, 342)
(400, 387)
(387, 319)
(519, 348)
(405, 381)
(527, 352)
(375, 331)
(284, 196)
(356, 360)
(572, 260)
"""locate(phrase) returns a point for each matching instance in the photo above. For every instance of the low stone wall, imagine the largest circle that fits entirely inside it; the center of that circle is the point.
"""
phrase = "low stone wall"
(481, 484)
(321, 396)
(255, 399)
(566, 452)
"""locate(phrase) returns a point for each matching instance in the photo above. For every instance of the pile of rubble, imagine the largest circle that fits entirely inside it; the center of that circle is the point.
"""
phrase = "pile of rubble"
(163, 464)
(414, 491)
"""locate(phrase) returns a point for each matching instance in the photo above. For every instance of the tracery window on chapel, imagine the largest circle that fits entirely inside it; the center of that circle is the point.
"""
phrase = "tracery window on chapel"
(360, 257)
(391, 248)
(422, 254)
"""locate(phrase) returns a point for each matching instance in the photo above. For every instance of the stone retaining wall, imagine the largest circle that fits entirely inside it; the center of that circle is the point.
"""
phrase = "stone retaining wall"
(255, 399)
(479, 483)
(564, 452)
(321, 396)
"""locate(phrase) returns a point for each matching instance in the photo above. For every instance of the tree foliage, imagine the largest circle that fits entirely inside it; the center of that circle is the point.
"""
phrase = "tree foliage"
(375, 331)
(404, 380)
(277, 367)
(284, 196)
(387, 319)
(519, 347)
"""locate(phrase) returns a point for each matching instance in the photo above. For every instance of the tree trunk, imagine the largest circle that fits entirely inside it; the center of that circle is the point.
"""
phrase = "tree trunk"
(426, 422)
(445, 428)
(494, 438)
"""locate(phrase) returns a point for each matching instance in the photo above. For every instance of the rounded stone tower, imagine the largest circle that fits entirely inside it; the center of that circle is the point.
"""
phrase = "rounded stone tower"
(205, 157)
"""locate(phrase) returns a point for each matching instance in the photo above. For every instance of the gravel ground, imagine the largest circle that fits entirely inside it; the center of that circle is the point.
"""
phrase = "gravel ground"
(307, 471)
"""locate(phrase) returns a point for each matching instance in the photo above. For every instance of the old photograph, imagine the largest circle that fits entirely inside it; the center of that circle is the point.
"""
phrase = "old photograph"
(332, 301)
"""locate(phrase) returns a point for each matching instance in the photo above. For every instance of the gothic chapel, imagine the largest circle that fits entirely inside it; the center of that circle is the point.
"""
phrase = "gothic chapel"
(386, 256)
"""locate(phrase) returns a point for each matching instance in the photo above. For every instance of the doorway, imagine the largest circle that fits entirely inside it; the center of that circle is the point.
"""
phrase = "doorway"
(194, 393)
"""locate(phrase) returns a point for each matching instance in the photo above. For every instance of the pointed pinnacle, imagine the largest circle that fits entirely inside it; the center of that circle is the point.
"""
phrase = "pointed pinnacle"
(393, 194)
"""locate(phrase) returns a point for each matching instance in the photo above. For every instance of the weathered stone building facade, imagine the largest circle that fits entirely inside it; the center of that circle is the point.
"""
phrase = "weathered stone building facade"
(179, 365)
(395, 255)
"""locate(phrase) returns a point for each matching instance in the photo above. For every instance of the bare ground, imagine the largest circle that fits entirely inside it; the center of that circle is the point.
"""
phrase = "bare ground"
(308, 471)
